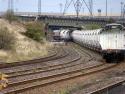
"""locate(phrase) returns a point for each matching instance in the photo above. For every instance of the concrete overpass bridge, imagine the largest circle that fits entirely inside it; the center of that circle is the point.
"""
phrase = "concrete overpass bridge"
(56, 20)
(62, 21)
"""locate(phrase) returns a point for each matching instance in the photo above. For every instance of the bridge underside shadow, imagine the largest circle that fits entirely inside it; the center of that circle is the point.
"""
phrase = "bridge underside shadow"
(55, 27)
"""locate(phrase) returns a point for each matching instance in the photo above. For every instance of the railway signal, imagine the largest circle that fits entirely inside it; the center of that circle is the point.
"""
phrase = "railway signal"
(99, 12)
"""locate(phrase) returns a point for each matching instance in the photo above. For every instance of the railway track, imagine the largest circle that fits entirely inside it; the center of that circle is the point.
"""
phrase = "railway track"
(56, 65)
(47, 68)
(23, 70)
(83, 52)
(48, 78)
(118, 85)
(65, 64)
(17, 67)
(72, 68)
(110, 85)
(52, 55)
(39, 69)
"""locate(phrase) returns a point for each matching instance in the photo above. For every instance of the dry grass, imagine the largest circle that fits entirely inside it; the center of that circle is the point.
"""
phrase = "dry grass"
(25, 48)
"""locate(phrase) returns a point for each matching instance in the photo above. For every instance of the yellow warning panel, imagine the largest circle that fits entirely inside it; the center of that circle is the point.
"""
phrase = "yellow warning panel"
(3, 81)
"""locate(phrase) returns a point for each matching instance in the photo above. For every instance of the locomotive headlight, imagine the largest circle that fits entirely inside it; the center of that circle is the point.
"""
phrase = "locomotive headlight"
(109, 50)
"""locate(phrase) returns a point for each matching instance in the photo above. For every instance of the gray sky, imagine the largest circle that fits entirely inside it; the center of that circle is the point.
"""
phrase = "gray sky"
(114, 6)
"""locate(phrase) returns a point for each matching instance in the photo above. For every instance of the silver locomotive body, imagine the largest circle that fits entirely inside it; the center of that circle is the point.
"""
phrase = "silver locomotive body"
(65, 34)
(110, 41)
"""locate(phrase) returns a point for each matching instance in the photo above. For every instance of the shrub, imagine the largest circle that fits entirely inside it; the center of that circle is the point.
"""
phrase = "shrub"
(111, 20)
(92, 26)
(7, 39)
(35, 30)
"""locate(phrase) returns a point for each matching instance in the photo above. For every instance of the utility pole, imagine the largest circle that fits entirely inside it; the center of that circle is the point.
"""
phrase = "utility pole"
(106, 8)
(61, 5)
(122, 9)
(39, 7)
(10, 5)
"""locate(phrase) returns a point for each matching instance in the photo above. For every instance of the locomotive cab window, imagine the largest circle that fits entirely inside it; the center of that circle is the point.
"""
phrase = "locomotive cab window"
(113, 27)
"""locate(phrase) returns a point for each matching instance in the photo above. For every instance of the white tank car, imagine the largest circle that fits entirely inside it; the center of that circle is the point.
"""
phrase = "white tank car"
(88, 38)
(65, 34)
(110, 41)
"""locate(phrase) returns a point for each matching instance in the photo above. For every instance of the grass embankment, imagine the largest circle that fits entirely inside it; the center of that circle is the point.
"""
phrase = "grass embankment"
(92, 26)
(21, 47)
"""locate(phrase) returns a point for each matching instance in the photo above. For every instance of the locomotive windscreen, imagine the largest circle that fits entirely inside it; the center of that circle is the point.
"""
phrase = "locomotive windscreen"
(114, 27)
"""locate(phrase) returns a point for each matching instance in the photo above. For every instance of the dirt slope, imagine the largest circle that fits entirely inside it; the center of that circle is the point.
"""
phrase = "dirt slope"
(25, 48)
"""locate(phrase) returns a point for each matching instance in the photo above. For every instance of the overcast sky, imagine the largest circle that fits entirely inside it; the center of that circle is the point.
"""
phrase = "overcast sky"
(114, 6)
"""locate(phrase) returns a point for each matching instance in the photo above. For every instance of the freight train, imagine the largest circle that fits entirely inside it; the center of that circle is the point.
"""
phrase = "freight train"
(109, 40)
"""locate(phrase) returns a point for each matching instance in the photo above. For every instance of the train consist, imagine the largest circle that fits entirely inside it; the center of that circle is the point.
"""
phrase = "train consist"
(109, 41)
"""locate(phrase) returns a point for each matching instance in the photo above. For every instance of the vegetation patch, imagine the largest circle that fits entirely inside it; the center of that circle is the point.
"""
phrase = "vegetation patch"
(16, 47)
(92, 26)
(7, 39)
(35, 30)
(111, 20)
